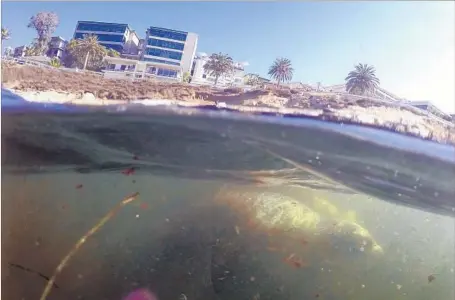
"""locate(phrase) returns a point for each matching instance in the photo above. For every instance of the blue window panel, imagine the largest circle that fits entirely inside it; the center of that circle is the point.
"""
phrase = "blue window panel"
(103, 37)
(164, 53)
(167, 33)
(106, 27)
(118, 48)
(167, 73)
(166, 44)
(161, 61)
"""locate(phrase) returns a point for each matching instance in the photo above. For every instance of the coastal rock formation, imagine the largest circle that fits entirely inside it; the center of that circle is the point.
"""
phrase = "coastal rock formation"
(88, 88)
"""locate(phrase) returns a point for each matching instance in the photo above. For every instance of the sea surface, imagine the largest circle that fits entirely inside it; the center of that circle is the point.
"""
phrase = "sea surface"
(211, 219)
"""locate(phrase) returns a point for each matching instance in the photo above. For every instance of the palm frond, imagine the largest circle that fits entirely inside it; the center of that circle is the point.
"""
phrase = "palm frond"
(362, 79)
(281, 70)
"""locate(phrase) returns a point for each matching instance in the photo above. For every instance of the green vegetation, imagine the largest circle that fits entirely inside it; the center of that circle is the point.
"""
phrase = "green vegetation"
(252, 79)
(6, 34)
(362, 80)
(186, 77)
(219, 65)
(87, 53)
(55, 62)
(45, 24)
(281, 70)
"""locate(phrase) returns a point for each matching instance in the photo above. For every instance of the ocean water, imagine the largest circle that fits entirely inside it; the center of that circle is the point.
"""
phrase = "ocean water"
(224, 206)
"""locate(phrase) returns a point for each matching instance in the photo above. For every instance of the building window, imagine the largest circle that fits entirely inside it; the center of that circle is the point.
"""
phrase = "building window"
(163, 53)
(151, 70)
(204, 76)
(161, 61)
(167, 73)
(167, 33)
(103, 37)
(166, 44)
(122, 67)
(118, 48)
(104, 27)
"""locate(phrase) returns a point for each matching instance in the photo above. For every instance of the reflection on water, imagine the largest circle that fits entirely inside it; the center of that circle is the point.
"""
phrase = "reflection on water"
(219, 219)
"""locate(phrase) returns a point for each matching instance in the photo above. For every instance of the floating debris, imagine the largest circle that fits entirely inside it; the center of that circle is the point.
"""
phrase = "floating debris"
(237, 229)
(183, 297)
(431, 278)
(129, 171)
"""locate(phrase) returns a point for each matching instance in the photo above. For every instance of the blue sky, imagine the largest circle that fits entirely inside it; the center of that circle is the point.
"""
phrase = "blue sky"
(411, 44)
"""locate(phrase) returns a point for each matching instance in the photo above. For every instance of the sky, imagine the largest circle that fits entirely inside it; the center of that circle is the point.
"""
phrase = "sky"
(410, 43)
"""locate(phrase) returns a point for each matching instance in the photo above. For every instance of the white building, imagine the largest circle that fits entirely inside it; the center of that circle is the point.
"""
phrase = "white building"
(164, 54)
(57, 46)
(171, 48)
(125, 68)
(119, 37)
(200, 76)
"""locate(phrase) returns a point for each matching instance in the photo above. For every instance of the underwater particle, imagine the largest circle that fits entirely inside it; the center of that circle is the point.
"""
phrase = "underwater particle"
(436, 194)
(144, 205)
(316, 296)
(237, 229)
(252, 278)
(362, 249)
(183, 297)
(431, 278)
(79, 186)
(167, 220)
(257, 296)
(363, 286)
(137, 216)
(399, 286)
(135, 157)
(80, 276)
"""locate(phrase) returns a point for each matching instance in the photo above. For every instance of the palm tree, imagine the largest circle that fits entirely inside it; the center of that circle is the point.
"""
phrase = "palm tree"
(281, 70)
(219, 65)
(362, 80)
(6, 34)
(89, 45)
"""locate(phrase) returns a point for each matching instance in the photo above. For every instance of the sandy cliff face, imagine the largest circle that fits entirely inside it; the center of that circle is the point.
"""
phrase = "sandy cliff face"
(62, 86)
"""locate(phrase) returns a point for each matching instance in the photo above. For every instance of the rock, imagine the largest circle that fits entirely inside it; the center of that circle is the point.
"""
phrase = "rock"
(89, 97)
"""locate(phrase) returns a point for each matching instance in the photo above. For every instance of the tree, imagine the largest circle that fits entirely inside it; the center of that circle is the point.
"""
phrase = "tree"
(112, 53)
(8, 52)
(31, 51)
(219, 65)
(252, 79)
(281, 70)
(86, 52)
(6, 34)
(186, 77)
(45, 24)
(362, 80)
